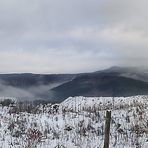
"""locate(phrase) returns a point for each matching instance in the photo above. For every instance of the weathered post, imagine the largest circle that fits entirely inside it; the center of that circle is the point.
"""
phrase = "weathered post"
(107, 129)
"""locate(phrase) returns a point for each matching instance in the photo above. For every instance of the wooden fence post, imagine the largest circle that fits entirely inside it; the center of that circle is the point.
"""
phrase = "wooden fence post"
(107, 129)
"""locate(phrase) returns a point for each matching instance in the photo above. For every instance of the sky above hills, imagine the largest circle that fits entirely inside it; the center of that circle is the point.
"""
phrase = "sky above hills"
(68, 36)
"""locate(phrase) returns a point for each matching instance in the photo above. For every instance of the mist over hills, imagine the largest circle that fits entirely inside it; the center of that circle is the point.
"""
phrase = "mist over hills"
(115, 81)
(28, 86)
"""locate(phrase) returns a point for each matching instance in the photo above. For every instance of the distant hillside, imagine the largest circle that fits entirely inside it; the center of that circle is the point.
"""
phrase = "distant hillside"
(101, 85)
(29, 86)
(28, 79)
(115, 81)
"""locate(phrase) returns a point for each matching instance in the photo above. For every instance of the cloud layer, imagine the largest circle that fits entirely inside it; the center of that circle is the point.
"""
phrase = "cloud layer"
(54, 36)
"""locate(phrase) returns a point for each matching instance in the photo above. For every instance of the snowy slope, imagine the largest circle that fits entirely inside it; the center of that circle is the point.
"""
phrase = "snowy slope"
(77, 122)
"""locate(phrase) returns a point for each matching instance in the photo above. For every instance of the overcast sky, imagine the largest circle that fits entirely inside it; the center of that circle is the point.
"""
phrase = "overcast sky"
(68, 36)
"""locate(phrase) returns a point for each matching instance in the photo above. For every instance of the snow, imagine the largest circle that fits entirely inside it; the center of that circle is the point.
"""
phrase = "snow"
(78, 122)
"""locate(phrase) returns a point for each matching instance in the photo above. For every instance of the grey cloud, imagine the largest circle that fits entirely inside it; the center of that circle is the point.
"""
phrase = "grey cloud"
(72, 36)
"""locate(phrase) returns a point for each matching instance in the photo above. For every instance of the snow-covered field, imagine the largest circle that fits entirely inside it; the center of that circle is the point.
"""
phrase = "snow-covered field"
(77, 122)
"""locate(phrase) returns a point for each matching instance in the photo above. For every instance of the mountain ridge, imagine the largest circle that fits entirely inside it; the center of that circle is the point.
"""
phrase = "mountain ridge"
(115, 81)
